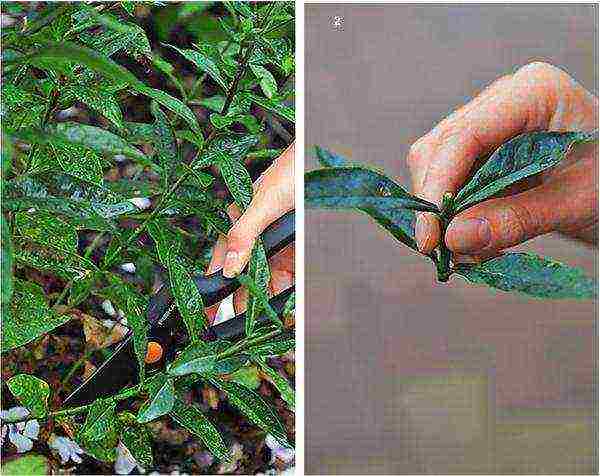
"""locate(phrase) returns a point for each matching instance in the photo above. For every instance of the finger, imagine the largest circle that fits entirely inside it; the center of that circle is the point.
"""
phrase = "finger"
(218, 258)
(216, 263)
(282, 270)
(282, 277)
(274, 196)
(441, 160)
(240, 300)
(563, 205)
(427, 227)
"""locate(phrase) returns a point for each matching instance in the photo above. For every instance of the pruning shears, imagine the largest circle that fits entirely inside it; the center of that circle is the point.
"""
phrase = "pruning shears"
(121, 368)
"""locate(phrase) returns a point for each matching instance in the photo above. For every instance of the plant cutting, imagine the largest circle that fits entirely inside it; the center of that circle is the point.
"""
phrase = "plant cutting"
(127, 133)
(341, 184)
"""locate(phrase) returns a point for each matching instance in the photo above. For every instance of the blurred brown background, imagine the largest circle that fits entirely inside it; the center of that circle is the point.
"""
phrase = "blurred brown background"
(404, 375)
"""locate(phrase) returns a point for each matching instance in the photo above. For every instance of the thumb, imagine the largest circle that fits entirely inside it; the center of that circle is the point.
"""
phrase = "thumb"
(273, 198)
(504, 222)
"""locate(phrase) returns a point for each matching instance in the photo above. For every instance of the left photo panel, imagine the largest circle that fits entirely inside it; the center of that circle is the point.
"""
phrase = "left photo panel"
(148, 230)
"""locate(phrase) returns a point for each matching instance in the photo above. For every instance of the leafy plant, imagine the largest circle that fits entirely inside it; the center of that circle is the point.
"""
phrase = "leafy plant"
(343, 185)
(121, 152)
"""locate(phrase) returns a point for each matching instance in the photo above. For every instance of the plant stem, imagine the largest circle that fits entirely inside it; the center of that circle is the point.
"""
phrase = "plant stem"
(123, 395)
(445, 256)
(230, 95)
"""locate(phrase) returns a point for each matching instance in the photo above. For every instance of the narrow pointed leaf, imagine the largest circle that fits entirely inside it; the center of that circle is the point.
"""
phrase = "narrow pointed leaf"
(399, 222)
(97, 99)
(278, 346)
(203, 63)
(198, 358)
(188, 297)
(55, 53)
(100, 140)
(164, 141)
(357, 187)
(279, 382)
(100, 420)
(31, 392)
(137, 439)
(258, 270)
(192, 419)
(523, 156)
(532, 275)
(160, 400)
(29, 317)
(138, 322)
(6, 263)
(329, 159)
(237, 179)
(274, 106)
(254, 407)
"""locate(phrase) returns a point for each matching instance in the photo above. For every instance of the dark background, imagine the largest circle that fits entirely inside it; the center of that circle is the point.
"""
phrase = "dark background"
(404, 375)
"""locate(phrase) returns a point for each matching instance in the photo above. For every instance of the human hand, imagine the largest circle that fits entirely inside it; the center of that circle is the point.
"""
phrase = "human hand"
(538, 96)
(273, 197)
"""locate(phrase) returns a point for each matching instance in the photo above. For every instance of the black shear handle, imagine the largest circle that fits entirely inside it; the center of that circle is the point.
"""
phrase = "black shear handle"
(216, 287)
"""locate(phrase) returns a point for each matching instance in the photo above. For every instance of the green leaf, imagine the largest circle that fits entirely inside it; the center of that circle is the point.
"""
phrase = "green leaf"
(254, 407)
(192, 138)
(137, 320)
(57, 52)
(97, 99)
(29, 316)
(160, 400)
(290, 306)
(532, 275)
(119, 36)
(258, 270)
(273, 105)
(266, 80)
(236, 146)
(168, 242)
(31, 392)
(192, 419)
(79, 162)
(100, 140)
(199, 358)
(137, 439)
(174, 105)
(204, 63)
(232, 364)
(358, 187)
(80, 214)
(21, 108)
(164, 141)
(28, 465)
(329, 159)
(523, 156)
(100, 420)
(281, 384)
(399, 222)
(6, 264)
(278, 346)
(188, 297)
(49, 243)
(237, 179)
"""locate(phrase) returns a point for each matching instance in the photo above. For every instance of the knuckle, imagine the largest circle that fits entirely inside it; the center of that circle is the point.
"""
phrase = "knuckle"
(417, 151)
(538, 69)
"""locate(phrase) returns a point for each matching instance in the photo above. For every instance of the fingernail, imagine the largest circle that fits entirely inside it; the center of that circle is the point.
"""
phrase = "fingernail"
(231, 267)
(469, 235)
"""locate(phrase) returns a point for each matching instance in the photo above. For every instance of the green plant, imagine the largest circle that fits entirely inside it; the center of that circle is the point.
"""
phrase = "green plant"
(342, 185)
(163, 138)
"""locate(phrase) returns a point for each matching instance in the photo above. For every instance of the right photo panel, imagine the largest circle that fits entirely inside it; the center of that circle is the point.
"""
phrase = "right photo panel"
(451, 226)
